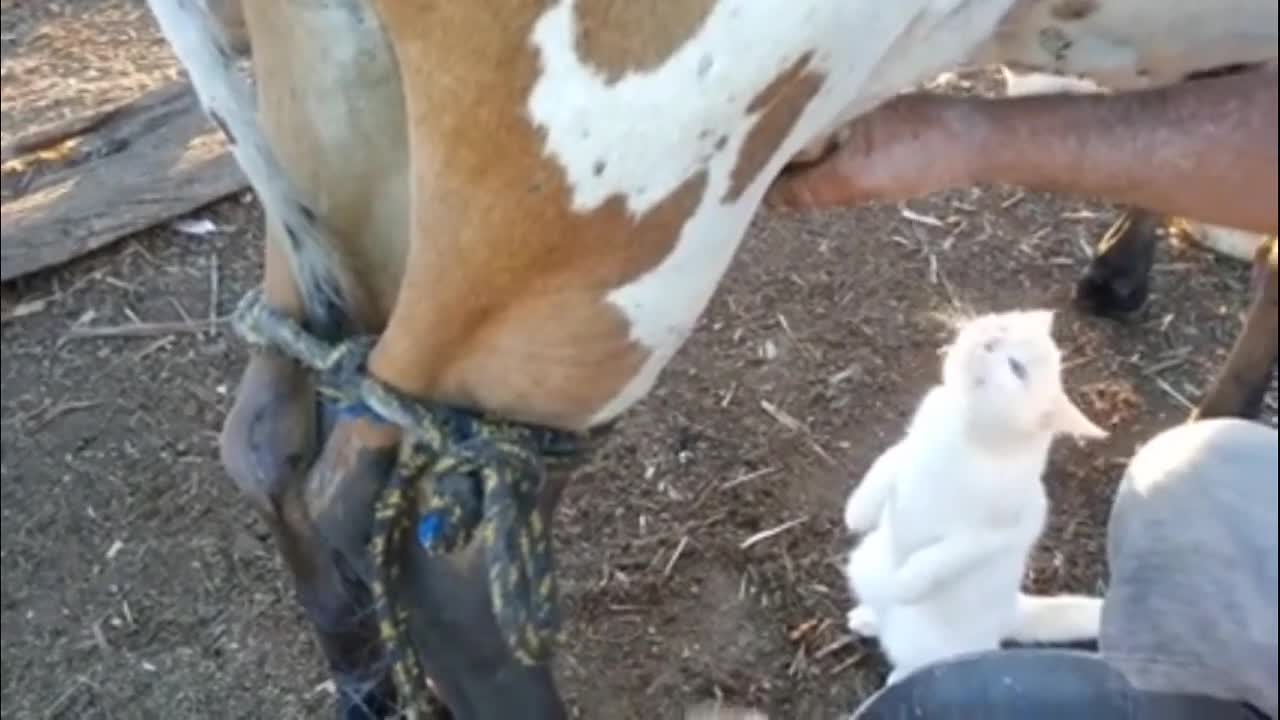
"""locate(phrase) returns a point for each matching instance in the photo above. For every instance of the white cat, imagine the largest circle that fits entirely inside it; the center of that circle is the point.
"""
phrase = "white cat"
(952, 511)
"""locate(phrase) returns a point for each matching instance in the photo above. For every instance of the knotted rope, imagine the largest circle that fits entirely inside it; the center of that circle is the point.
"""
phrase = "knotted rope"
(459, 475)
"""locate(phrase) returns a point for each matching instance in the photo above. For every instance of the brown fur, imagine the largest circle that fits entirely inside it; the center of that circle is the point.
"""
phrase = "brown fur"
(515, 325)
(1074, 9)
(781, 103)
(616, 38)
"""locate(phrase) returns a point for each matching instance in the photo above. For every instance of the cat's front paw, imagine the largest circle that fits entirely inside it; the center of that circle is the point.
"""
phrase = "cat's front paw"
(859, 519)
(863, 509)
(909, 586)
(862, 621)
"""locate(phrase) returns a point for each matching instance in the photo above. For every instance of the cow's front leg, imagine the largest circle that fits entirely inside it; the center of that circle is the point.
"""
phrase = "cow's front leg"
(1242, 383)
(269, 442)
(317, 509)
(459, 641)
(449, 614)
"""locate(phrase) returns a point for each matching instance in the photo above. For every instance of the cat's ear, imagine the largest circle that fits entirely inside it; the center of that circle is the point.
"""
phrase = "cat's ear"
(1039, 320)
(1067, 419)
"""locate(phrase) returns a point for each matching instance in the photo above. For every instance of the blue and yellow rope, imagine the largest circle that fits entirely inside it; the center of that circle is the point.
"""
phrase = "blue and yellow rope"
(459, 476)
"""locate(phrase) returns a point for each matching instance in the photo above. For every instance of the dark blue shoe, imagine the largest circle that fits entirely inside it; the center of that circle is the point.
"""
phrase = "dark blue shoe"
(1035, 684)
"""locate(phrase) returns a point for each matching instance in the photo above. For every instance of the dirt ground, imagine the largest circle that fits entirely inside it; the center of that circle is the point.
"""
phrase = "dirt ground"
(137, 584)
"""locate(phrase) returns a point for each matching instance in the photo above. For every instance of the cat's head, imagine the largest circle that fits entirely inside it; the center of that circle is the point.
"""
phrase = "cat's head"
(1009, 369)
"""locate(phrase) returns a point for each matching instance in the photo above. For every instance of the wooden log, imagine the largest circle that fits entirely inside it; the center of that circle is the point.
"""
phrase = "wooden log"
(80, 185)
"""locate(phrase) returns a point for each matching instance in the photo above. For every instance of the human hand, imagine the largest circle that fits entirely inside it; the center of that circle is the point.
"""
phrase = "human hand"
(910, 146)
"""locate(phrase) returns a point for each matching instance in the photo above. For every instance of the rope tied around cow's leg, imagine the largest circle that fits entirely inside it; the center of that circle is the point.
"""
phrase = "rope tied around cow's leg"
(459, 477)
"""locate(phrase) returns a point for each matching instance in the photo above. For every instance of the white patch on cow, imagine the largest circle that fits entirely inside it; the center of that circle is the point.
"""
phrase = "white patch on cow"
(654, 129)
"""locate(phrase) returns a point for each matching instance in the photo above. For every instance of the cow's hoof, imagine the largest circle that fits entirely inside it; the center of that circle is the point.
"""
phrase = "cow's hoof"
(269, 437)
(1117, 282)
(1106, 293)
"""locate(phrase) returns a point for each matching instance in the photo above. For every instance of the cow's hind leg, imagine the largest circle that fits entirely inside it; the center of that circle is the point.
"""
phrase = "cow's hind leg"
(1118, 280)
(1242, 383)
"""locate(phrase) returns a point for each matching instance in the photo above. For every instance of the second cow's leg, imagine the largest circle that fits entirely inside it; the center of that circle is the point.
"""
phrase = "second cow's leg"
(1117, 281)
(1242, 383)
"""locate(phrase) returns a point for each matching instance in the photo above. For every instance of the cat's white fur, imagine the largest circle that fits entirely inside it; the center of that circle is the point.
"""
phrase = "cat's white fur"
(951, 512)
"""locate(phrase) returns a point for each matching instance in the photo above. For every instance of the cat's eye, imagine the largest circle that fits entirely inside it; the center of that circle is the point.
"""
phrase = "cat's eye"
(1018, 369)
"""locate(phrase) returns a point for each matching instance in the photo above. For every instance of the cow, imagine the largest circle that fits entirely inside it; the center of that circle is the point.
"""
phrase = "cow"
(489, 219)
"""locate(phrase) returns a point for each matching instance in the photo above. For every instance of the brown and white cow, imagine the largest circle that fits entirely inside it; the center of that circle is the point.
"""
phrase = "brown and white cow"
(531, 203)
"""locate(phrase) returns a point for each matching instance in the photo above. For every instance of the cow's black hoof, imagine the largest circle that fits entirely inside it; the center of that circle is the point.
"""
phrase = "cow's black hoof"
(1103, 292)
(1117, 282)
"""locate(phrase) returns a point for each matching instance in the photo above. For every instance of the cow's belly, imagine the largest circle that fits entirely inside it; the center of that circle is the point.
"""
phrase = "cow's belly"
(698, 112)
(1127, 43)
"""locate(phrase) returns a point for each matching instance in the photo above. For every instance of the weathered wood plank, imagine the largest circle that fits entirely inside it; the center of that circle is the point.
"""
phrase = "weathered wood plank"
(71, 190)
